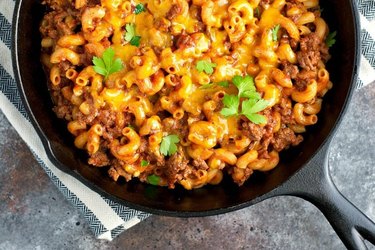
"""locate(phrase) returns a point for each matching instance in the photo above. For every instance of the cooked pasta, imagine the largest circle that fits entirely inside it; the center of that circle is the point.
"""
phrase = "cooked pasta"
(183, 92)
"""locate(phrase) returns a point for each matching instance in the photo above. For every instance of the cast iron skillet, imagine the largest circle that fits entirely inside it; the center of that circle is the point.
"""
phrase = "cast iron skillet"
(302, 172)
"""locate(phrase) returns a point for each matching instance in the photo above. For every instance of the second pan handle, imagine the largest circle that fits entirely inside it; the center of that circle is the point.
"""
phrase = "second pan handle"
(314, 184)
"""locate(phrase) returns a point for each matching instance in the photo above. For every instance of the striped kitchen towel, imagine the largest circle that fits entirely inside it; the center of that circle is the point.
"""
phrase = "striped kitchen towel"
(106, 218)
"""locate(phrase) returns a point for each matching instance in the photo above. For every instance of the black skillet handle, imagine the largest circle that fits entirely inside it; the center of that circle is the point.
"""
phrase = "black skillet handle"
(314, 184)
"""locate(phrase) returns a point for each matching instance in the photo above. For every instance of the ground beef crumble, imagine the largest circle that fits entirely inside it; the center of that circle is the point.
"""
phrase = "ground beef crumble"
(176, 168)
(309, 55)
(284, 138)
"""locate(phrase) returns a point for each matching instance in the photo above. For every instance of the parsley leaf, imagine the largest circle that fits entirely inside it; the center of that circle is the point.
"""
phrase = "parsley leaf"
(153, 179)
(231, 103)
(251, 95)
(144, 163)
(250, 106)
(130, 35)
(253, 106)
(168, 145)
(331, 39)
(107, 64)
(245, 85)
(130, 31)
(256, 118)
(257, 11)
(205, 66)
(275, 30)
(135, 41)
(139, 8)
(224, 84)
(207, 86)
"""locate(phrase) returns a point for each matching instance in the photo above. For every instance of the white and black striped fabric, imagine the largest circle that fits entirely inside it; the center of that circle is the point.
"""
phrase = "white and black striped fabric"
(106, 218)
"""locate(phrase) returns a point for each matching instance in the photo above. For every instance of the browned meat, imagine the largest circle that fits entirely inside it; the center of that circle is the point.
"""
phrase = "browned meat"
(290, 69)
(106, 117)
(112, 129)
(308, 60)
(310, 42)
(54, 24)
(303, 78)
(293, 4)
(184, 41)
(47, 29)
(267, 135)
(174, 11)
(63, 108)
(65, 4)
(99, 159)
(64, 66)
(200, 164)
(144, 145)
(176, 127)
(199, 27)
(176, 168)
(285, 110)
(251, 130)
(284, 138)
(63, 111)
(93, 2)
(285, 39)
(246, 174)
(162, 24)
(89, 51)
(88, 119)
(309, 55)
(117, 170)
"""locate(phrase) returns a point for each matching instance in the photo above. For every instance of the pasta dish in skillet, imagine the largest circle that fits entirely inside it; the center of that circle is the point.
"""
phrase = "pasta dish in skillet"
(185, 91)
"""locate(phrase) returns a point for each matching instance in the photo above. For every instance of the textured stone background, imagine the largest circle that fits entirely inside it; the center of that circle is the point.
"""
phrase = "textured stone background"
(34, 215)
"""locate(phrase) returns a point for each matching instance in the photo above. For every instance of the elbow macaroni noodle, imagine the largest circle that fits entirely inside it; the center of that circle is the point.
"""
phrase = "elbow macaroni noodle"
(122, 119)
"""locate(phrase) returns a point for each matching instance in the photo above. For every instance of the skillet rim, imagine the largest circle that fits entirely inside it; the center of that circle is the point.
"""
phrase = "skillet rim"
(47, 145)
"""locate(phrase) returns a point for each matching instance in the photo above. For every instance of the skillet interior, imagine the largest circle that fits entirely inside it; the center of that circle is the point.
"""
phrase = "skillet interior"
(207, 200)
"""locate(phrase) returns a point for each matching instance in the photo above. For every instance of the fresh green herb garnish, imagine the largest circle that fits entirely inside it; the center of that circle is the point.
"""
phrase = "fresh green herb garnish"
(231, 103)
(130, 31)
(153, 179)
(257, 11)
(205, 66)
(107, 64)
(331, 39)
(139, 8)
(224, 84)
(207, 86)
(130, 35)
(245, 85)
(251, 106)
(168, 145)
(144, 163)
(135, 41)
(275, 30)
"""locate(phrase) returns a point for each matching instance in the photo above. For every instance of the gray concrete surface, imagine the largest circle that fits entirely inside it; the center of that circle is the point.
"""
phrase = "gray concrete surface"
(34, 215)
